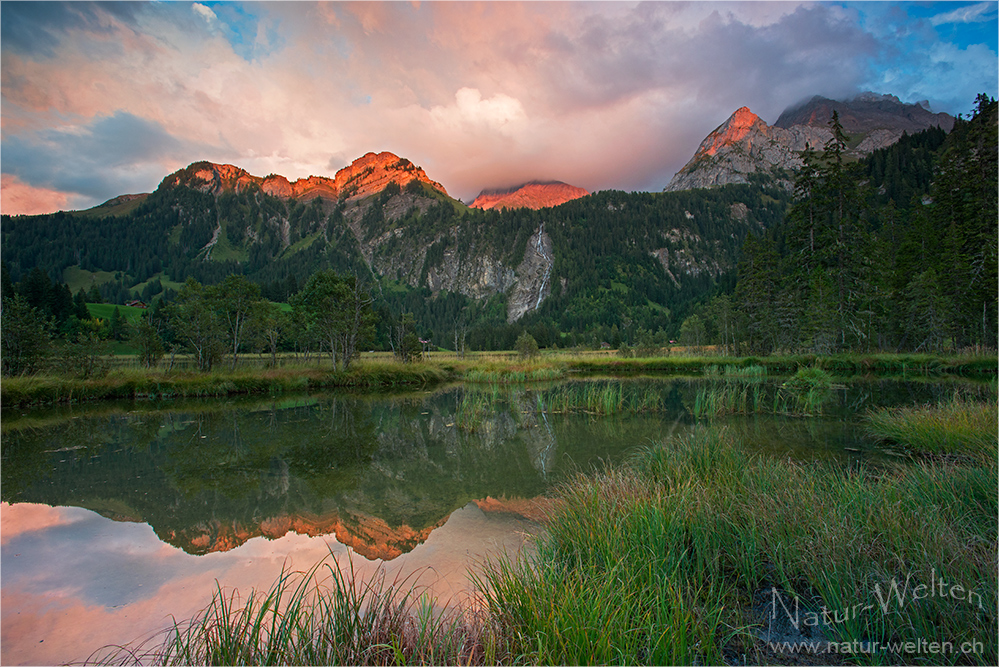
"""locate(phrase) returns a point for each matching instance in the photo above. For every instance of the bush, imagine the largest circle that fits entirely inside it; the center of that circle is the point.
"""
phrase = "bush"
(526, 346)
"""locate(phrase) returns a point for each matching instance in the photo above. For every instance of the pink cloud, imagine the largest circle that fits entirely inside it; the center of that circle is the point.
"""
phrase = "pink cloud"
(602, 95)
(17, 198)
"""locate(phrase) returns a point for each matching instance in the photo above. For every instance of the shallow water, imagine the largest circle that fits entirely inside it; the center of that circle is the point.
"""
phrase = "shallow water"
(117, 516)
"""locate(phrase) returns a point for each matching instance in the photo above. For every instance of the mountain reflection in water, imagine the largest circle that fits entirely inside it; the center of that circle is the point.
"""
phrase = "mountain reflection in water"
(378, 473)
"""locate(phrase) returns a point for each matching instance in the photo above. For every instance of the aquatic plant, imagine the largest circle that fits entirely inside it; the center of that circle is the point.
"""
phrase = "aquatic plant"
(697, 550)
(958, 427)
(324, 616)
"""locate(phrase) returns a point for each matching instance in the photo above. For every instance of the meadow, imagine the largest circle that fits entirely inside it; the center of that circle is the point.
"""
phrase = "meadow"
(124, 377)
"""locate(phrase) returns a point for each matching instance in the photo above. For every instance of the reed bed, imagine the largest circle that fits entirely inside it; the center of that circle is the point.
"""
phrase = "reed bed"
(960, 427)
(679, 558)
(601, 398)
(804, 394)
(515, 375)
(155, 384)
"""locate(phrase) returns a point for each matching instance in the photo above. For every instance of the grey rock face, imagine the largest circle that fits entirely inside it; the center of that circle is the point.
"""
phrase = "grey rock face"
(744, 144)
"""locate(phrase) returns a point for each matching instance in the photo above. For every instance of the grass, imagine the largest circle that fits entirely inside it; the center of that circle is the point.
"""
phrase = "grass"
(155, 384)
(105, 310)
(959, 427)
(324, 616)
(379, 369)
(601, 398)
(667, 560)
(743, 391)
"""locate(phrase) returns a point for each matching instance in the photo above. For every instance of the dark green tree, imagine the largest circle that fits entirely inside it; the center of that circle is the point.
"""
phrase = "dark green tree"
(526, 346)
(235, 301)
(146, 339)
(24, 336)
(196, 325)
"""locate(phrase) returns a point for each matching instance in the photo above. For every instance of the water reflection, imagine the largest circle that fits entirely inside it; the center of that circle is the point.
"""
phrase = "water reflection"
(117, 515)
(379, 474)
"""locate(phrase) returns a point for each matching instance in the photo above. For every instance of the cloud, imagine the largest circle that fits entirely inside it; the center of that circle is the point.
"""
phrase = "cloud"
(602, 95)
(95, 160)
(206, 13)
(19, 198)
(983, 11)
(471, 111)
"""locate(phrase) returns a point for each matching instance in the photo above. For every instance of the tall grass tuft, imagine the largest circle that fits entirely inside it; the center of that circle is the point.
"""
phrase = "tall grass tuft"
(959, 427)
(324, 616)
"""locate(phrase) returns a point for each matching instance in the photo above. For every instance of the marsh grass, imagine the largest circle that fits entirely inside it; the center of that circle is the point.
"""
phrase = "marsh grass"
(324, 616)
(960, 427)
(513, 375)
(743, 390)
(660, 562)
(156, 384)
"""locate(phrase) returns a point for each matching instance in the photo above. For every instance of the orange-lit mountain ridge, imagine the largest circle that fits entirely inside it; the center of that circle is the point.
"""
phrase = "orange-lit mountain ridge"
(365, 176)
(534, 195)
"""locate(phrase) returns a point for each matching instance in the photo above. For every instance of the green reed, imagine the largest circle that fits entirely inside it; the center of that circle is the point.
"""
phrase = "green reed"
(324, 616)
(958, 427)
(666, 560)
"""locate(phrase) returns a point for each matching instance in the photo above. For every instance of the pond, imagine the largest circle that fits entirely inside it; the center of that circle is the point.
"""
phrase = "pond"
(119, 517)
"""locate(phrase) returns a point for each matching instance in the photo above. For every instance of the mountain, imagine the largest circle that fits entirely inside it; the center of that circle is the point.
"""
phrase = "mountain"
(744, 144)
(866, 113)
(533, 195)
(365, 176)
(604, 263)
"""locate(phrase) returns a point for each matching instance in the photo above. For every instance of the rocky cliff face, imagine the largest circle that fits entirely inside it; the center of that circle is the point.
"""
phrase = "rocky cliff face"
(866, 113)
(744, 144)
(533, 277)
(530, 195)
(397, 247)
(365, 176)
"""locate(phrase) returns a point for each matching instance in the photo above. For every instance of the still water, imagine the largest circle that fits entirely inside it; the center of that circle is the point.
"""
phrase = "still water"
(119, 517)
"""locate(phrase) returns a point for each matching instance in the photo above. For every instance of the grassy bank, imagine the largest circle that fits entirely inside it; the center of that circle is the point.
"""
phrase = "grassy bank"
(376, 370)
(694, 552)
(956, 428)
(154, 384)
(699, 554)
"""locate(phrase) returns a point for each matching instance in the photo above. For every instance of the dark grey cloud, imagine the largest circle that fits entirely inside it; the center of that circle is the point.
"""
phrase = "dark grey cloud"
(101, 160)
(724, 60)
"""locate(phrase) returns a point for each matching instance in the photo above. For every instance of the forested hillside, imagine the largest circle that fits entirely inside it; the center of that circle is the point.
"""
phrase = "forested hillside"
(619, 262)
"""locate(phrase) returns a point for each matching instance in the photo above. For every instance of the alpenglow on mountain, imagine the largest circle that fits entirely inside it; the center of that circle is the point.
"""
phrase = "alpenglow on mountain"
(533, 195)
(744, 144)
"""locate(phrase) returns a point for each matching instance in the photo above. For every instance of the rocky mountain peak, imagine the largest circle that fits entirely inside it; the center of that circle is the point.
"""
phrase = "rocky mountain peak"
(738, 126)
(367, 175)
(865, 113)
(533, 195)
(745, 144)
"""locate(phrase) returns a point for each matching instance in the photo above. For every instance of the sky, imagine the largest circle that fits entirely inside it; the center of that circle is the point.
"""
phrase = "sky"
(103, 99)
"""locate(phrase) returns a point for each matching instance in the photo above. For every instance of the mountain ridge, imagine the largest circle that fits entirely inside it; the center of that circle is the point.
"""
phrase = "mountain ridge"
(367, 175)
(534, 195)
(745, 144)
